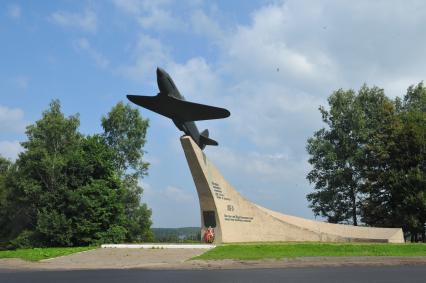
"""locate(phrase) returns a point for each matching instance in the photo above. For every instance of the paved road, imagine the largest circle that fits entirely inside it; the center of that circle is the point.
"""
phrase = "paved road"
(178, 259)
(410, 274)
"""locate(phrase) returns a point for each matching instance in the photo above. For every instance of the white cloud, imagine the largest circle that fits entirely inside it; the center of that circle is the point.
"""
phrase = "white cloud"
(158, 19)
(178, 195)
(171, 206)
(14, 11)
(274, 72)
(264, 50)
(272, 115)
(398, 86)
(204, 25)
(11, 120)
(84, 44)
(171, 193)
(86, 21)
(153, 15)
(278, 167)
(128, 6)
(203, 84)
(148, 54)
(10, 149)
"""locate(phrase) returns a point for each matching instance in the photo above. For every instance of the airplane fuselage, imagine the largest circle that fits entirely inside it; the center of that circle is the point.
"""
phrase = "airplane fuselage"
(168, 87)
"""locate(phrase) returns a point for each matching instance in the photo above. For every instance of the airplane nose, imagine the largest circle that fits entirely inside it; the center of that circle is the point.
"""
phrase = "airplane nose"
(160, 72)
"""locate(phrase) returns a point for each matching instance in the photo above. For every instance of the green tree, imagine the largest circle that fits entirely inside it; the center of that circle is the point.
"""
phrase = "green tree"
(5, 168)
(38, 183)
(337, 152)
(95, 198)
(396, 182)
(65, 188)
(369, 163)
(125, 133)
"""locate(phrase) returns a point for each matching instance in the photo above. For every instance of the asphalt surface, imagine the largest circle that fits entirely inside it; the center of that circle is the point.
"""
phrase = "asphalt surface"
(391, 274)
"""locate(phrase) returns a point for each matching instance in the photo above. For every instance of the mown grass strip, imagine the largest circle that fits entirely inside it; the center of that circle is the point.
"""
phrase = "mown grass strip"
(291, 250)
(42, 253)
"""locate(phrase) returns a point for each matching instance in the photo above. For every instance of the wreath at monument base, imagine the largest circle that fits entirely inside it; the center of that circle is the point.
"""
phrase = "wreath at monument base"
(208, 236)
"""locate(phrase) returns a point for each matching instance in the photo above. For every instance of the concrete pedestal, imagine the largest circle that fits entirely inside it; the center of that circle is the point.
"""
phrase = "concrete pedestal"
(232, 218)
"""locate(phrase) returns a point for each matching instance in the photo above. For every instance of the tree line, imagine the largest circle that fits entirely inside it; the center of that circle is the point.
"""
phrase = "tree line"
(177, 235)
(70, 189)
(369, 161)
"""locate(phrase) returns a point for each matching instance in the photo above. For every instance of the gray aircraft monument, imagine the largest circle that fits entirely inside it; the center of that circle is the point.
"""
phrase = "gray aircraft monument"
(226, 216)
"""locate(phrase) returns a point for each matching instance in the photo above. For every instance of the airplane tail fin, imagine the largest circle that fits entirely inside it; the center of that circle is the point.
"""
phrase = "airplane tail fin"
(205, 140)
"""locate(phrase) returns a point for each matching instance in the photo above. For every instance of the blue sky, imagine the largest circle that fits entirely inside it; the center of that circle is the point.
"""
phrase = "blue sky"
(271, 63)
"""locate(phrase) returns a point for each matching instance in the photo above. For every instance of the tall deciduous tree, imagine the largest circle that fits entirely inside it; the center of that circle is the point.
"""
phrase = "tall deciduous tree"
(396, 168)
(337, 152)
(39, 184)
(125, 132)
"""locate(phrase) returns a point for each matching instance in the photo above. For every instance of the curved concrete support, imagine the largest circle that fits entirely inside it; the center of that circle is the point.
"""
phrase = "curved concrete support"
(235, 219)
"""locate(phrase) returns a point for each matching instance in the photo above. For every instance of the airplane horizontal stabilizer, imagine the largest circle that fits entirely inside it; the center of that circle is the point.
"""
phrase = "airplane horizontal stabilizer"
(205, 140)
(177, 109)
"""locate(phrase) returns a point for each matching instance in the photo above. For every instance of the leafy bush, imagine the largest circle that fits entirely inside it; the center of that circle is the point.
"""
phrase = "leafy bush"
(25, 240)
(115, 234)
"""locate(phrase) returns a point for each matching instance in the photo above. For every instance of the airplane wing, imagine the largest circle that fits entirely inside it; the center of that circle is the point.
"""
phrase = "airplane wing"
(180, 110)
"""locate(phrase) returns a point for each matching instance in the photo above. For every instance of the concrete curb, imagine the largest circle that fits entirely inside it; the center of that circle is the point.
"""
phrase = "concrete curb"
(157, 246)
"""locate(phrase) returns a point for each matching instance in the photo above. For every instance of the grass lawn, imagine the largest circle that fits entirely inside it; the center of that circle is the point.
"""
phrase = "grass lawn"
(42, 253)
(291, 250)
